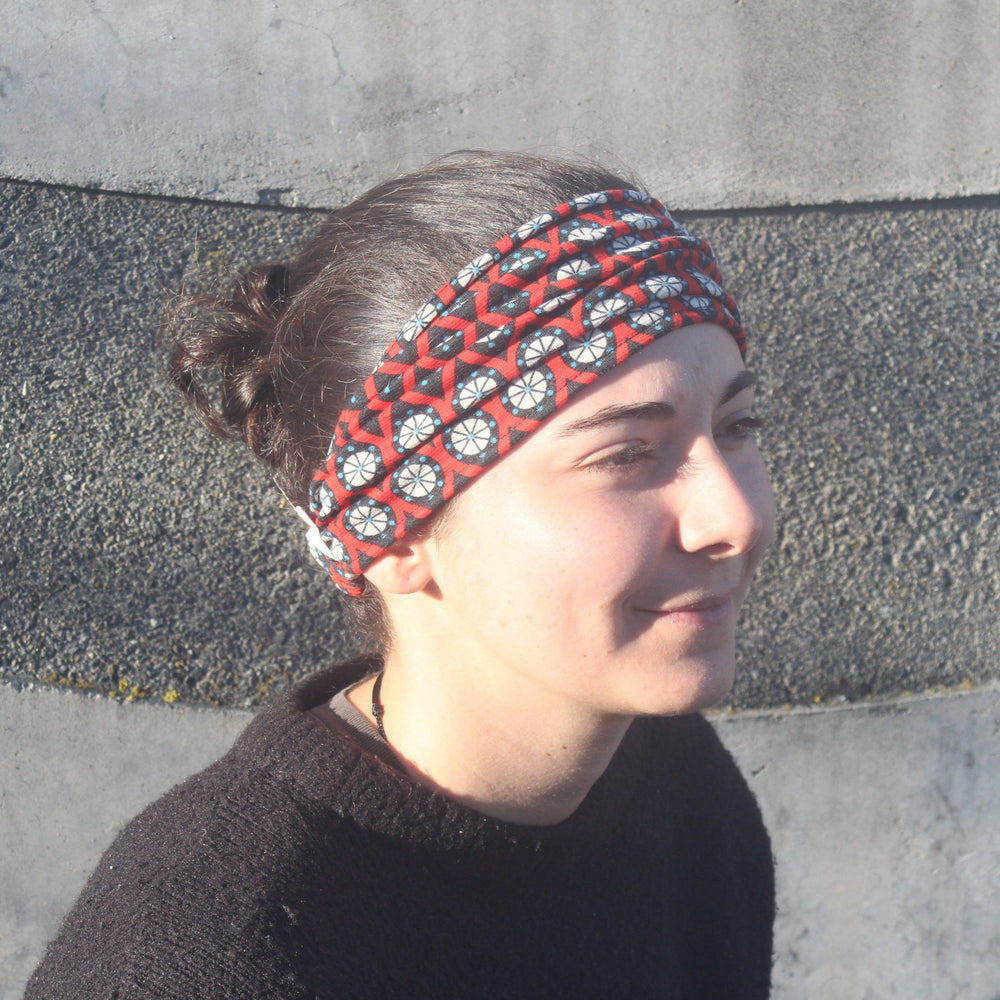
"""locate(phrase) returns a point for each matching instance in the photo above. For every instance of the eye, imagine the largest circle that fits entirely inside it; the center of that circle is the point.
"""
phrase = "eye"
(623, 458)
(740, 429)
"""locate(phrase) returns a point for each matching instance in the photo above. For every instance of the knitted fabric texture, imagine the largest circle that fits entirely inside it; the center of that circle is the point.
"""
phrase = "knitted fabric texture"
(299, 866)
(539, 316)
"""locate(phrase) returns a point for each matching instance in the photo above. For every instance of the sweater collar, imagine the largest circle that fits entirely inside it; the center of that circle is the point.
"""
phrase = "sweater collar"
(344, 782)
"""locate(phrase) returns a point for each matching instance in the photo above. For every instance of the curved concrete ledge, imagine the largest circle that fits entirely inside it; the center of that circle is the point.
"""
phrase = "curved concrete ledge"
(73, 770)
(883, 819)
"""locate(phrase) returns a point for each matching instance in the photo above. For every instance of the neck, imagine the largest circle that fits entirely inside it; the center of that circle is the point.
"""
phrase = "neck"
(518, 755)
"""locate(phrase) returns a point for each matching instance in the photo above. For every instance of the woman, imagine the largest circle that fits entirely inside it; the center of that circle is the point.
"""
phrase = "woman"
(544, 497)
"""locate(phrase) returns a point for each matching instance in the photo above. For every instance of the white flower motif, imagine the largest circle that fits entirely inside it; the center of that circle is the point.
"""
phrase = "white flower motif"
(698, 302)
(606, 310)
(640, 220)
(415, 429)
(589, 200)
(334, 547)
(417, 479)
(359, 468)
(528, 391)
(419, 321)
(410, 329)
(643, 247)
(529, 228)
(478, 387)
(573, 268)
(556, 302)
(367, 519)
(522, 260)
(584, 235)
(665, 286)
(637, 246)
(325, 502)
(541, 347)
(649, 315)
(629, 242)
(709, 284)
(472, 271)
(471, 436)
(591, 348)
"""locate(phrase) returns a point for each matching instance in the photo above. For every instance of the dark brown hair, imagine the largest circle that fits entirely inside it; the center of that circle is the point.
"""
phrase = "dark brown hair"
(273, 358)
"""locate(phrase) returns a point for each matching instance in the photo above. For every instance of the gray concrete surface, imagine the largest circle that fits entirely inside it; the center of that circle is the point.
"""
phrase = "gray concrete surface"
(884, 822)
(720, 103)
(142, 557)
(883, 819)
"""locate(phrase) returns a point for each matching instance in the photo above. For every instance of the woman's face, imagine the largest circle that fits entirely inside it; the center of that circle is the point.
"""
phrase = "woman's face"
(603, 562)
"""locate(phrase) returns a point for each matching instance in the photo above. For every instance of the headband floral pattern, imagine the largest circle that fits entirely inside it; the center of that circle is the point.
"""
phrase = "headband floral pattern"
(513, 336)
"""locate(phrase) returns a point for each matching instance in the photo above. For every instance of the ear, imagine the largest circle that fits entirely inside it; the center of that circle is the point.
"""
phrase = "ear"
(404, 567)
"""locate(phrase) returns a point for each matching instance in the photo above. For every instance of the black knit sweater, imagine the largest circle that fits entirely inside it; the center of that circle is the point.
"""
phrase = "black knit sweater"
(300, 866)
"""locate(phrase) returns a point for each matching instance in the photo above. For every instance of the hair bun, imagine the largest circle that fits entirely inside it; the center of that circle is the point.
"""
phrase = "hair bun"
(223, 356)
(274, 358)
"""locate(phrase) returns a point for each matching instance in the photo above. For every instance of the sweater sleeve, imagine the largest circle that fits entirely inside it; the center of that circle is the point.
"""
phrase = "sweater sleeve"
(166, 914)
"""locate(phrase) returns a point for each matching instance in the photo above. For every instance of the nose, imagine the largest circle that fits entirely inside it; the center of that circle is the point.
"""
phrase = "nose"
(723, 502)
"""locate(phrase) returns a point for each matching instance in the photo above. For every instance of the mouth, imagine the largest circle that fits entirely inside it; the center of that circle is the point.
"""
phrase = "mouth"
(700, 612)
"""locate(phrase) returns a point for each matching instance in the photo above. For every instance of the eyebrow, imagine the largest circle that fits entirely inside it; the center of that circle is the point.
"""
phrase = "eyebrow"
(653, 410)
(745, 380)
(614, 414)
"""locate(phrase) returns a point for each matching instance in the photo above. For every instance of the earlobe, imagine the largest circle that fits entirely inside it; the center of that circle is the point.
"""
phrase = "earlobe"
(402, 569)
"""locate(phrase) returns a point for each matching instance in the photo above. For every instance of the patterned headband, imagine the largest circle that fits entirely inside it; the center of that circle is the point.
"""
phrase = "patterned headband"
(547, 310)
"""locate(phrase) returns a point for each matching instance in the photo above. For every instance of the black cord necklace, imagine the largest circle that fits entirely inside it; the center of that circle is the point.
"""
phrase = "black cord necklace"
(377, 710)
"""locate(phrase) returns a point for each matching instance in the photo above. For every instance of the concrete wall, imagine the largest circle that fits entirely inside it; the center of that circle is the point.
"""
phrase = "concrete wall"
(717, 103)
(144, 562)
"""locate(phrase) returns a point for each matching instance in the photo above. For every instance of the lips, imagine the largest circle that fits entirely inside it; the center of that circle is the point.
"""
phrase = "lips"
(701, 610)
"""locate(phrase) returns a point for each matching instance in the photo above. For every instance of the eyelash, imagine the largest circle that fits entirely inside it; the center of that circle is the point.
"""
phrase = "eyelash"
(633, 454)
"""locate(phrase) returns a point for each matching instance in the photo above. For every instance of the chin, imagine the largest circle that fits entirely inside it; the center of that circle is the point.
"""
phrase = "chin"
(692, 685)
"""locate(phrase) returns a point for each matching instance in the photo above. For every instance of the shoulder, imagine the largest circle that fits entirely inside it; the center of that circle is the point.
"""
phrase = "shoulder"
(688, 747)
(198, 895)
(725, 874)
(690, 763)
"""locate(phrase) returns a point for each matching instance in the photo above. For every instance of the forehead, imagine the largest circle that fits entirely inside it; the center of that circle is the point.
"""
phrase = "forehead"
(685, 368)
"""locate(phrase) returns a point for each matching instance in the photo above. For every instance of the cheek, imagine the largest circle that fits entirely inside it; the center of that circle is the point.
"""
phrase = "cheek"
(545, 550)
(529, 555)
(593, 555)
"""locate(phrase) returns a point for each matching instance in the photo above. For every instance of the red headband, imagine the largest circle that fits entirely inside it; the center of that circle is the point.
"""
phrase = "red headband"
(542, 314)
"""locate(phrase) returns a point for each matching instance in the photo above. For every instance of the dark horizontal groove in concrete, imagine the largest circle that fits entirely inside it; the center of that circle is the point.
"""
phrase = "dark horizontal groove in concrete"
(167, 198)
(973, 201)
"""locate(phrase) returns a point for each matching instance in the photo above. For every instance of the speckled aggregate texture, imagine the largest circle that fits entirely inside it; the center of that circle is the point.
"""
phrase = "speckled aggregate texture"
(142, 557)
